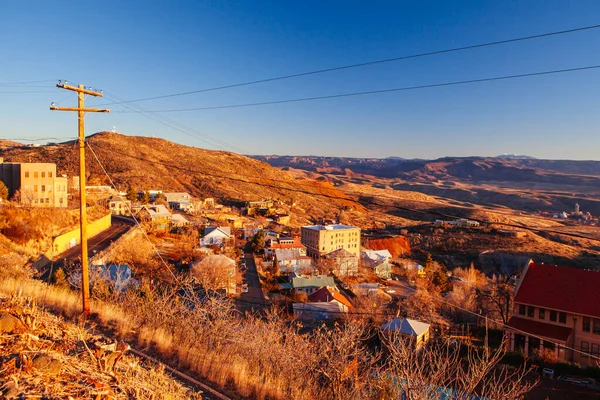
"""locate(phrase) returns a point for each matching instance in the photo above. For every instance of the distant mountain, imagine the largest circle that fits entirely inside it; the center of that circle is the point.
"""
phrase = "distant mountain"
(515, 157)
(7, 144)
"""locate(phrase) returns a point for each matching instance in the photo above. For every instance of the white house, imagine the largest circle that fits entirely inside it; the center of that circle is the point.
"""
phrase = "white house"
(379, 261)
(416, 331)
(215, 235)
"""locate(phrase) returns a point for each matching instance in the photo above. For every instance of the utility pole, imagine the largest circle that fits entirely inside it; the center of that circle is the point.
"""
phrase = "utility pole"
(81, 110)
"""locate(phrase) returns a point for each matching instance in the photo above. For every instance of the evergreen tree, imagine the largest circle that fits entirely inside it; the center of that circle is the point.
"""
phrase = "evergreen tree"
(131, 194)
(145, 197)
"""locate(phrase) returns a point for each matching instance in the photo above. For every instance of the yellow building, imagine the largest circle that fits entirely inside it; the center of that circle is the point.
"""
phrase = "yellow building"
(36, 183)
(324, 239)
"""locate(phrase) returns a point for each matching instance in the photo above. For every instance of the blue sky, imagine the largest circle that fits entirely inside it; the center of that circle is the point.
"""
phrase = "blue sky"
(138, 49)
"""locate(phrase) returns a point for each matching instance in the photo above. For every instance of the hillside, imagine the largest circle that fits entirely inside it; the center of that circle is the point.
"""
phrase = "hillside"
(152, 163)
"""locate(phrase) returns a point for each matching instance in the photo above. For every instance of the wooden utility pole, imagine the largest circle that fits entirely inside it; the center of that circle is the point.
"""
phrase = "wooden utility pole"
(81, 110)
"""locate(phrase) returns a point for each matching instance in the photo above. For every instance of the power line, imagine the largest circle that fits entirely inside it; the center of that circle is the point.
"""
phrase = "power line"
(244, 179)
(112, 183)
(406, 88)
(26, 82)
(369, 63)
(177, 126)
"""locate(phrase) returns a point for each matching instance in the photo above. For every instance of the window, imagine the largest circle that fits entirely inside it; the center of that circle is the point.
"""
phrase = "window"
(43, 188)
(596, 326)
(43, 174)
(35, 188)
(585, 348)
(553, 315)
(542, 313)
(586, 325)
(35, 174)
(562, 318)
(530, 311)
(595, 349)
(50, 174)
(60, 200)
(522, 309)
(26, 174)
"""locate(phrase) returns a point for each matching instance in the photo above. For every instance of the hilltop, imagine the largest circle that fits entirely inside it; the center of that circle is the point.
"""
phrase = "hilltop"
(153, 163)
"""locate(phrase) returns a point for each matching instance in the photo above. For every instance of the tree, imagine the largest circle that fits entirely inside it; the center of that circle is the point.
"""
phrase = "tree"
(258, 241)
(214, 272)
(131, 194)
(145, 197)
(422, 374)
(3, 191)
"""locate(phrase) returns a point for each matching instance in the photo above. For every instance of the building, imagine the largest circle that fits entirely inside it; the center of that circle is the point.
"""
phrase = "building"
(222, 270)
(309, 285)
(117, 205)
(557, 309)
(157, 215)
(324, 239)
(342, 262)
(323, 304)
(179, 201)
(216, 235)
(281, 219)
(378, 261)
(284, 243)
(415, 331)
(36, 183)
(292, 260)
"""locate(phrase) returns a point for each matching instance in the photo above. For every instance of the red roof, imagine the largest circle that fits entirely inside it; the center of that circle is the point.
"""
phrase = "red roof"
(560, 288)
(538, 328)
(296, 245)
(325, 295)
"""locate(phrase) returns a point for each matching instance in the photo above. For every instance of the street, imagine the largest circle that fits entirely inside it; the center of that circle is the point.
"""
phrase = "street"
(254, 299)
(119, 226)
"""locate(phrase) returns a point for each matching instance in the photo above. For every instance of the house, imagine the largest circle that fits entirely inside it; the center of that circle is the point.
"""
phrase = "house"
(309, 285)
(258, 207)
(281, 219)
(179, 201)
(292, 260)
(416, 332)
(223, 269)
(343, 262)
(216, 235)
(557, 309)
(378, 261)
(158, 215)
(35, 183)
(327, 295)
(117, 205)
(179, 221)
(284, 243)
(321, 240)
(421, 273)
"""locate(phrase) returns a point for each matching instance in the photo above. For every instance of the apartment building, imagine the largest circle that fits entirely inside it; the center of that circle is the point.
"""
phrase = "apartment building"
(36, 183)
(557, 309)
(321, 240)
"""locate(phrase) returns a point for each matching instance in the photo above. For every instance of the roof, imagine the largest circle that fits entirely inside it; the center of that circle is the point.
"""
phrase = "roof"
(296, 244)
(289, 254)
(218, 259)
(116, 198)
(377, 255)
(176, 196)
(222, 230)
(341, 253)
(327, 295)
(406, 326)
(560, 288)
(178, 218)
(319, 311)
(313, 281)
(333, 227)
(539, 328)
(158, 210)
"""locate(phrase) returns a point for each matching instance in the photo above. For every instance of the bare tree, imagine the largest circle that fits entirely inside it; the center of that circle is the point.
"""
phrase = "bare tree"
(439, 367)
(214, 272)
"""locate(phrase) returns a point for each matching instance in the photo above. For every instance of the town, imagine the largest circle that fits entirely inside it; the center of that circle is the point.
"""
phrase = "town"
(253, 254)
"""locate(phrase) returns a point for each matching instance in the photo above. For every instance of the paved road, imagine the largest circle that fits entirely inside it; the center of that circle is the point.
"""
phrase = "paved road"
(401, 288)
(254, 299)
(119, 226)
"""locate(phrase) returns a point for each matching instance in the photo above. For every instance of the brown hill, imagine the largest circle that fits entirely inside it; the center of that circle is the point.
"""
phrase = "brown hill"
(7, 144)
(152, 163)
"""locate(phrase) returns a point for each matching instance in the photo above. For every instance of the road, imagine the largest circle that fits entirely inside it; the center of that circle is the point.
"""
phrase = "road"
(254, 299)
(402, 289)
(119, 226)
